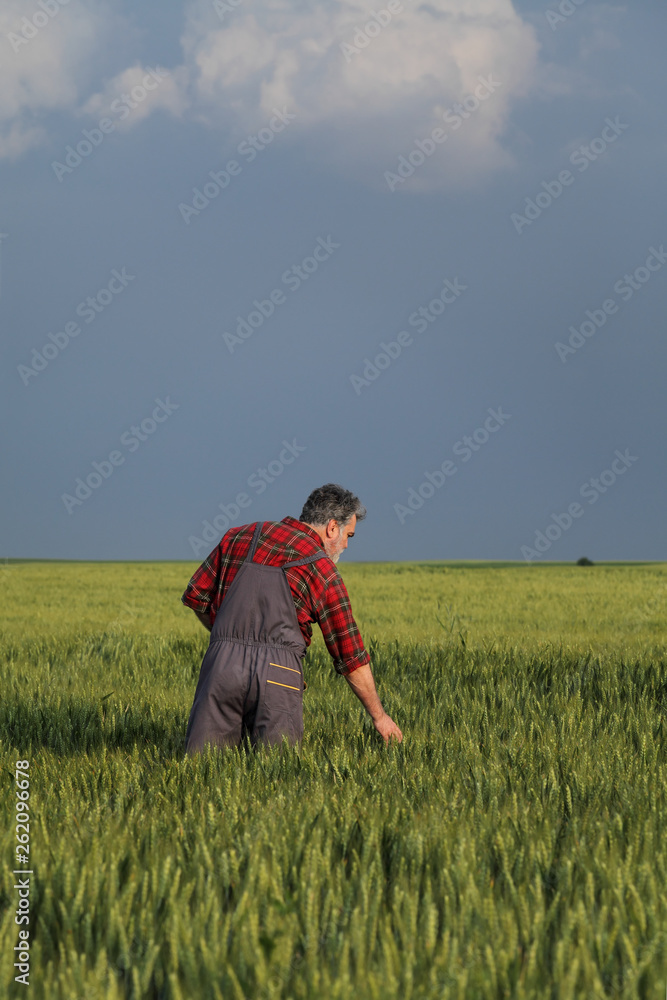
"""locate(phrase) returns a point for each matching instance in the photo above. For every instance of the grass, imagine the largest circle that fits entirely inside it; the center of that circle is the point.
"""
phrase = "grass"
(512, 846)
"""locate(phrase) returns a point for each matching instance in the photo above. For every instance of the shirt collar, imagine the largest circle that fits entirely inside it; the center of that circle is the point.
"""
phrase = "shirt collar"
(305, 528)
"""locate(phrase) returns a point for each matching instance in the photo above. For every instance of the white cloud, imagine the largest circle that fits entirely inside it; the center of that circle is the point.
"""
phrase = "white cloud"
(138, 91)
(45, 61)
(367, 104)
(362, 91)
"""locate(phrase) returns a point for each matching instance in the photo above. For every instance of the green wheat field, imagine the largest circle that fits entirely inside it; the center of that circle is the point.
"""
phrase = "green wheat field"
(515, 844)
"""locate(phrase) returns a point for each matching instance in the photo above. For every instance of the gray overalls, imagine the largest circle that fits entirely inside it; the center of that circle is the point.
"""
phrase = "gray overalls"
(251, 678)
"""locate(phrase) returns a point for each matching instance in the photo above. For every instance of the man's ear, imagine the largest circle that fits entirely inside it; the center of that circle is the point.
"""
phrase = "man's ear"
(331, 528)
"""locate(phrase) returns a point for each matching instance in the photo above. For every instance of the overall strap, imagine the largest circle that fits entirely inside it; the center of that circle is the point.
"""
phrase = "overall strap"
(255, 539)
(307, 559)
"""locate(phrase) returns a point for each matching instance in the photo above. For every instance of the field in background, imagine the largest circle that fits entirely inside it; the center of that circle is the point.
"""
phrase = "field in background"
(605, 608)
(513, 846)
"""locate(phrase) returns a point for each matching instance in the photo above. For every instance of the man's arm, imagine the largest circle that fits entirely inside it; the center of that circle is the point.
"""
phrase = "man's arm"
(342, 638)
(205, 619)
(202, 588)
(362, 683)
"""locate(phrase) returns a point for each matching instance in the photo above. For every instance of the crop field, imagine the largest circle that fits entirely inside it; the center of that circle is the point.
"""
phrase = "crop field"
(513, 846)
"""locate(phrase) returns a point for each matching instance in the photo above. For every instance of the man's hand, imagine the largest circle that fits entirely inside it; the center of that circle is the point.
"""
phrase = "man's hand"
(388, 729)
(362, 683)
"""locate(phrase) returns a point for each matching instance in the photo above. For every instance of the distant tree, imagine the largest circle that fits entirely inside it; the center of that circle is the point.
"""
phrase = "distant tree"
(584, 562)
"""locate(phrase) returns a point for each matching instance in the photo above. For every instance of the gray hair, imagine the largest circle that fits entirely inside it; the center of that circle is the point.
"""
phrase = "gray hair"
(329, 502)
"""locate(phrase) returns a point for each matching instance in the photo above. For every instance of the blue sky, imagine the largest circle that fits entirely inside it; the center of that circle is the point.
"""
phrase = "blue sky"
(168, 336)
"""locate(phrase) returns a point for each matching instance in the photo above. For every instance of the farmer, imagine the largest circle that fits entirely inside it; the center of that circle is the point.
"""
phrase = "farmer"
(257, 594)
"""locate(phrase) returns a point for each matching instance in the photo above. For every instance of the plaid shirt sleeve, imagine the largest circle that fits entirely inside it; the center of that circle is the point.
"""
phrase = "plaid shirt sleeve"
(339, 629)
(202, 588)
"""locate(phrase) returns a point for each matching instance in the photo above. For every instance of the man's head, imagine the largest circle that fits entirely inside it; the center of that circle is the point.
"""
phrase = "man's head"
(333, 513)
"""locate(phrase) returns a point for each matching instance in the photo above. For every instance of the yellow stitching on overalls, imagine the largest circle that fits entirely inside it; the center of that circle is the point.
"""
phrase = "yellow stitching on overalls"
(284, 668)
(290, 686)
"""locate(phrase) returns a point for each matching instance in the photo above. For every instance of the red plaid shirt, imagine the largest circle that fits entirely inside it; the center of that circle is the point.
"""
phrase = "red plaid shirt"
(317, 588)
